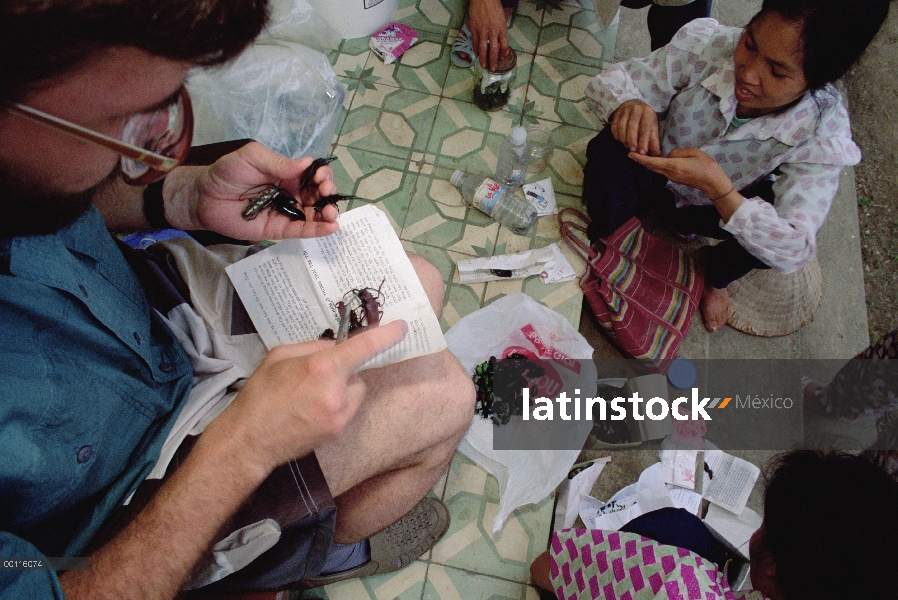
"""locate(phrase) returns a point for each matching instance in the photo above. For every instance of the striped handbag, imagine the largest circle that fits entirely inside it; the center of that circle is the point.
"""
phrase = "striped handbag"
(642, 290)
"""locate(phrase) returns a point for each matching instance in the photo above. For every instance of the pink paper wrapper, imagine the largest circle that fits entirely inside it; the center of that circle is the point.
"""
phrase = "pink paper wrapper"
(390, 42)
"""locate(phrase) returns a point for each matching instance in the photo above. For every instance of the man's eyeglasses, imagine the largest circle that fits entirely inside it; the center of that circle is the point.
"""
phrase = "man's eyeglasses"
(154, 142)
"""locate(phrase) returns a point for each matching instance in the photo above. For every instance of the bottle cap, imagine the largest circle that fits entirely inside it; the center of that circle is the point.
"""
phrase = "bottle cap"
(455, 179)
(681, 374)
(518, 135)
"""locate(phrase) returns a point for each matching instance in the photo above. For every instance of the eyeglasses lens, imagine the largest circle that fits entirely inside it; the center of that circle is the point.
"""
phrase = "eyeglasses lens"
(167, 131)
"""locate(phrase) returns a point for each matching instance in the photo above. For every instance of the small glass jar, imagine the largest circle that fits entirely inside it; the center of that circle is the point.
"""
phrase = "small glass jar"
(492, 88)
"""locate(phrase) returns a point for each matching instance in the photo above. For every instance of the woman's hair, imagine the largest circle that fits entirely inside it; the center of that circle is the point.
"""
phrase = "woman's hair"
(834, 32)
(41, 39)
(831, 523)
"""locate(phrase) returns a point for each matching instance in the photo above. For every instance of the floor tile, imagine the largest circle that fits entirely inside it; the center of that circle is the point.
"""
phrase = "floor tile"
(389, 120)
(404, 584)
(350, 57)
(446, 583)
(460, 299)
(438, 217)
(571, 33)
(383, 180)
(422, 67)
(523, 35)
(472, 497)
(465, 137)
(432, 15)
(557, 91)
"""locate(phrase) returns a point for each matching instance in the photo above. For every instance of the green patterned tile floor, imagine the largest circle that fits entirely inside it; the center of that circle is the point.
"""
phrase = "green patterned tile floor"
(403, 129)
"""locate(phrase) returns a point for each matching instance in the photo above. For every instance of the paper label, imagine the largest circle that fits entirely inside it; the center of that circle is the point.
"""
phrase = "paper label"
(486, 195)
(542, 195)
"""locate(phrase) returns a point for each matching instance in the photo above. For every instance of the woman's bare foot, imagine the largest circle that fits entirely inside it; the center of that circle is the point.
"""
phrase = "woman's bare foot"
(715, 307)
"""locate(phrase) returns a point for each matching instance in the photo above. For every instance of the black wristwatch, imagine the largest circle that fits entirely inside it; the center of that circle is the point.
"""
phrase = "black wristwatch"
(154, 206)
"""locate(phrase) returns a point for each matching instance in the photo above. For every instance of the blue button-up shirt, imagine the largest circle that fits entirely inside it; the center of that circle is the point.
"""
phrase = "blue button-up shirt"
(91, 381)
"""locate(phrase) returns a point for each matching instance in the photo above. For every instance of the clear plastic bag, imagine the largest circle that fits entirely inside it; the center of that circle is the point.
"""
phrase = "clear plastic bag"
(298, 22)
(284, 95)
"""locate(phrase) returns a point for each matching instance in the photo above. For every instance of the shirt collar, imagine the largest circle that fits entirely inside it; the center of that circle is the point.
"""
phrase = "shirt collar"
(47, 259)
(789, 126)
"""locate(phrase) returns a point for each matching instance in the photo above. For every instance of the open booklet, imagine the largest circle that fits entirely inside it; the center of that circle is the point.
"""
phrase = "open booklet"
(291, 289)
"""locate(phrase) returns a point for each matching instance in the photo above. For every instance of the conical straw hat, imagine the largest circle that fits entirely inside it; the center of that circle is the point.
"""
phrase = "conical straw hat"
(769, 304)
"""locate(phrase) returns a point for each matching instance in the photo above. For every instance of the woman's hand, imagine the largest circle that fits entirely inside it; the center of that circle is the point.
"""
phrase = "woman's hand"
(489, 33)
(635, 125)
(692, 167)
(208, 198)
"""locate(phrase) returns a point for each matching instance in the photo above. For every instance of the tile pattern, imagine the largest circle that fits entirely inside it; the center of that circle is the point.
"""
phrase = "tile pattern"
(470, 561)
(407, 126)
(403, 130)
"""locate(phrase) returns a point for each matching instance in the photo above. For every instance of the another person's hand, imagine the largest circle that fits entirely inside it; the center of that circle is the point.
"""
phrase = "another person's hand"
(208, 198)
(692, 167)
(635, 125)
(302, 395)
(689, 166)
(489, 33)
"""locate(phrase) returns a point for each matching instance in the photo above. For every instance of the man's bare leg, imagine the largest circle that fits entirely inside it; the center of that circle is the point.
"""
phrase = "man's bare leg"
(403, 437)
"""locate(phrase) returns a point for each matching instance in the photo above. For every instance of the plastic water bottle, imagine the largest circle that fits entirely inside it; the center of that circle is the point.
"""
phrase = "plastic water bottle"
(498, 201)
(514, 154)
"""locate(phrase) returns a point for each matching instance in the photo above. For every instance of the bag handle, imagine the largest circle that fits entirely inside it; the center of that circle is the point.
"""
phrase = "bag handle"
(575, 242)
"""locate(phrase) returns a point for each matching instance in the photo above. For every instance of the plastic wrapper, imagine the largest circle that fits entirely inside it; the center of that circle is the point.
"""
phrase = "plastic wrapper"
(392, 41)
(298, 22)
(283, 95)
(524, 476)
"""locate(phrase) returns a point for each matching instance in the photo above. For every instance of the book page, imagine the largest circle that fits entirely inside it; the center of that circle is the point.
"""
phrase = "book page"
(291, 289)
(730, 480)
(279, 297)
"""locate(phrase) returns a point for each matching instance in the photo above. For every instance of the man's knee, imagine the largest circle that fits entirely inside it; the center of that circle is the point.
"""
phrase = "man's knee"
(451, 400)
(432, 281)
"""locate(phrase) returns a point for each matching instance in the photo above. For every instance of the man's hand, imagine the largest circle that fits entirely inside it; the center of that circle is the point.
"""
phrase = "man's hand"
(635, 125)
(209, 197)
(299, 396)
(489, 33)
(303, 394)
(692, 167)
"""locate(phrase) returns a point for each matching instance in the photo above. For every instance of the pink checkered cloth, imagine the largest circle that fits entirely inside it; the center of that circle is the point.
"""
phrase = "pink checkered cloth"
(611, 565)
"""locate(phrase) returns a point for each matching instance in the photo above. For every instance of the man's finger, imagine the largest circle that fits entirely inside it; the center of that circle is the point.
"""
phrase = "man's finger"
(303, 229)
(273, 164)
(359, 349)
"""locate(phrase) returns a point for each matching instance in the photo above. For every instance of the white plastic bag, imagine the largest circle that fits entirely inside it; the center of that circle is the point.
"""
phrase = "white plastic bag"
(283, 95)
(298, 22)
(524, 476)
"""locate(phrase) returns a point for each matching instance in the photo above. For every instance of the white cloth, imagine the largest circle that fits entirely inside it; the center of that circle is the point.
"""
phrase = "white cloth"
(693, 80)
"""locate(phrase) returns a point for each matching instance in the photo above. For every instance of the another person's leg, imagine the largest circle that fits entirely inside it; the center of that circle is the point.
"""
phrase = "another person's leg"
(403, 437)
(723, 263)
(613, 185)
(665, 21)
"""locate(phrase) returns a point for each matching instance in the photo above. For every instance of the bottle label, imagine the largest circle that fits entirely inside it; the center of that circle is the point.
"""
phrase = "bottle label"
(486, 195)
